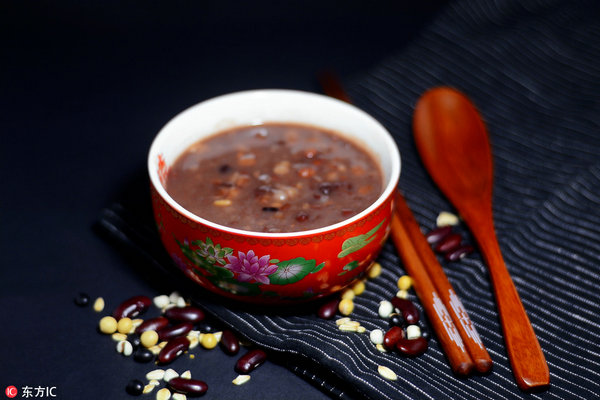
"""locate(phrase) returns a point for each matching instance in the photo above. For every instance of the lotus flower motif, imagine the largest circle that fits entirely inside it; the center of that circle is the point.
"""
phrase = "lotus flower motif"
(248, 267)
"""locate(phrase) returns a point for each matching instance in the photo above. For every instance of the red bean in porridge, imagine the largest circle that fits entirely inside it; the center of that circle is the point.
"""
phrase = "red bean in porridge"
(276, 177)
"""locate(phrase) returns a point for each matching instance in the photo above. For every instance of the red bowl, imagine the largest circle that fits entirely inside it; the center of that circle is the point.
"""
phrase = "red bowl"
(272, 268)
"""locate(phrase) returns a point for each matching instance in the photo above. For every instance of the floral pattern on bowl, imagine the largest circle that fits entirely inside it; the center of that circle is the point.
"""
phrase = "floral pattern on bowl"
(250, 268)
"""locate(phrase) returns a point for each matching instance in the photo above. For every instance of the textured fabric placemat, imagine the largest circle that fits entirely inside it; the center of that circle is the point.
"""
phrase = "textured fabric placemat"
(533, 70)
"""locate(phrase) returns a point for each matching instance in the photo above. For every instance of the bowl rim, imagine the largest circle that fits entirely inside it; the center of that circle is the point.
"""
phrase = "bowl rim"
(389, 189)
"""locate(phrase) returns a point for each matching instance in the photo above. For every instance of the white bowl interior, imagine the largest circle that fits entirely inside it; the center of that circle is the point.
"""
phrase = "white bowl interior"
(275, 105)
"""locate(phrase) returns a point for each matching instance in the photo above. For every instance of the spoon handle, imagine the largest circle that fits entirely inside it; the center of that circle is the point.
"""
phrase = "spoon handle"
(525, 354)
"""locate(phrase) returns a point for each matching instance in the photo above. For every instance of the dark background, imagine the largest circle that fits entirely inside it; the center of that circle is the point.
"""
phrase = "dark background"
(84, 87)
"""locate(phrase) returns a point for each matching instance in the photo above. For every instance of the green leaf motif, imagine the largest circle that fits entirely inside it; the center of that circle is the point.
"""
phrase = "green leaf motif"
(356, 243)
(291, 271)
(350, 266)
(318, 268)
(219, 272)
(207, 256)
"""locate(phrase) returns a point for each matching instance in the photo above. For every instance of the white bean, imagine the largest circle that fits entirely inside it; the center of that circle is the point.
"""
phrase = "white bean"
(385, 309)
(376, 336)
(413, 332)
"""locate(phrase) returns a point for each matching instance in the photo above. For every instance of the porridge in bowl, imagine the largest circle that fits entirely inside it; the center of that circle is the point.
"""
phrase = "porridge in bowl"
(275, 177)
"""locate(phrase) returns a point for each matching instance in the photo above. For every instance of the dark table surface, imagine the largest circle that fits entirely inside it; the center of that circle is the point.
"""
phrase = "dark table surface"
(84, 87)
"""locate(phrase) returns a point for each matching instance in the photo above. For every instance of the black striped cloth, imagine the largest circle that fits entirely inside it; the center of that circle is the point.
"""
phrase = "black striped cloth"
(533, 70)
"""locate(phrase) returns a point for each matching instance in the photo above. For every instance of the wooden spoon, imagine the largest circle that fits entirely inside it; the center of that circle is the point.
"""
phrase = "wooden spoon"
(454, 146)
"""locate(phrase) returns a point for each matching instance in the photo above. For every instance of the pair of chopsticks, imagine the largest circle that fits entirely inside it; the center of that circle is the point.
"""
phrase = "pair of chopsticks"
(455, 331)
(458, 336)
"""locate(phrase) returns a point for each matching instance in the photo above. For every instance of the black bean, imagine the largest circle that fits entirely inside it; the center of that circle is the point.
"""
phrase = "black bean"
(250, 361)
(134, 387)
(224, 168)
(270, 209)
(143, 355)
(82, 299)
(396, 320)
(425, 331)
(135, 341)
(207, 327)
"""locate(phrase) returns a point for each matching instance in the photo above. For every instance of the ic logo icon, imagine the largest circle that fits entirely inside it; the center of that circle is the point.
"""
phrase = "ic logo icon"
(11, 392)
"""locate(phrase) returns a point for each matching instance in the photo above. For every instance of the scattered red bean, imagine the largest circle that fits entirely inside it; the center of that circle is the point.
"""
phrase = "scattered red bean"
(329, 309)
(437, 234)
(170, 332)
(250, 361)
(153, 324)
(173, 349)
(449, 243)
(185, 314)
(132, 307)
(459, 252)
(229, 342)
(412, 347)
(191, 387)
(392, 336)
(409, 311)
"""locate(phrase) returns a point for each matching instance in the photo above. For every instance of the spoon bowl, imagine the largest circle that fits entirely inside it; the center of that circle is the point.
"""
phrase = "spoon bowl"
(454, 146)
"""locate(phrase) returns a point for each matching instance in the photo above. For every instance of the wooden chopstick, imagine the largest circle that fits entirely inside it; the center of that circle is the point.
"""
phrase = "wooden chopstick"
(332, 86)
(446, 332)
(430, 264)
